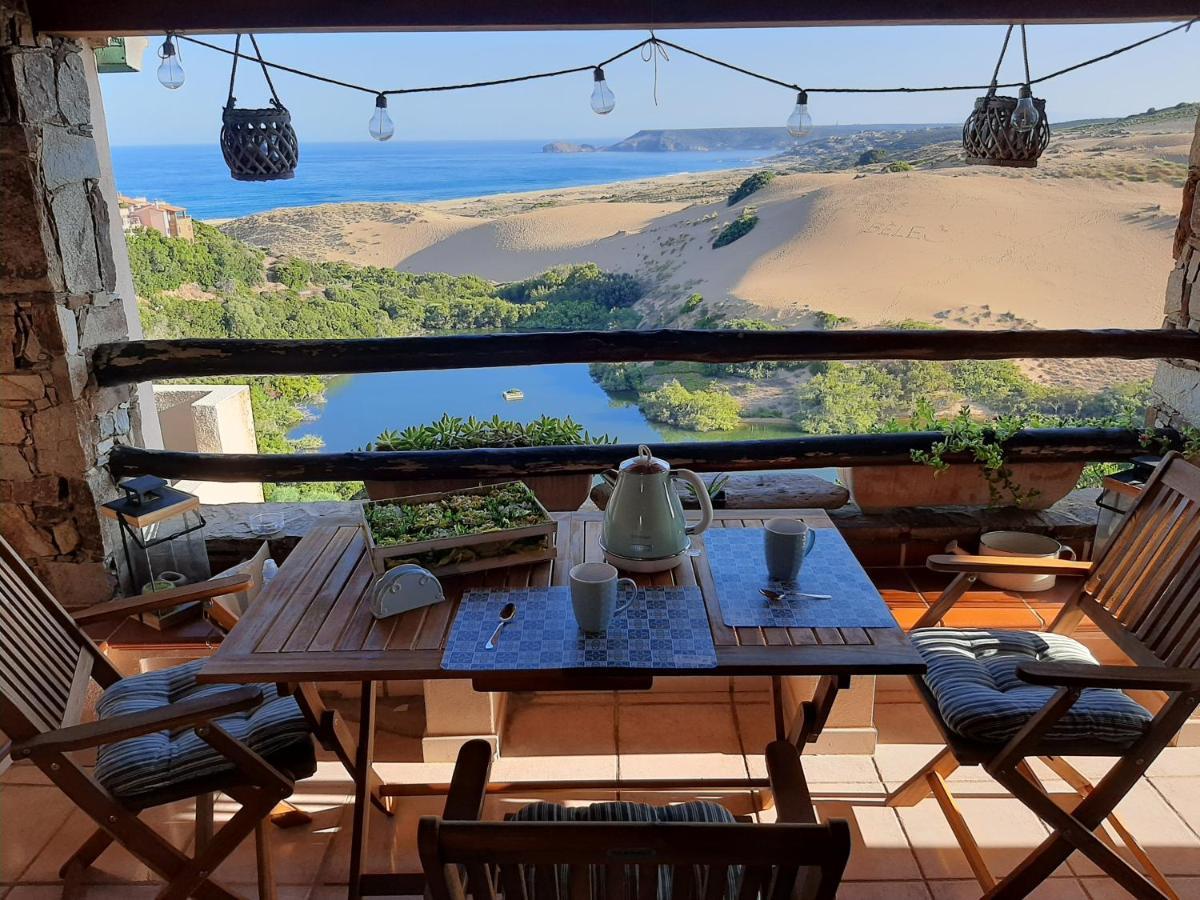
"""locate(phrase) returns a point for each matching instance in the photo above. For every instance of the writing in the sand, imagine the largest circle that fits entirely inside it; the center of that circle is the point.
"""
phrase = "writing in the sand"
(897, 230)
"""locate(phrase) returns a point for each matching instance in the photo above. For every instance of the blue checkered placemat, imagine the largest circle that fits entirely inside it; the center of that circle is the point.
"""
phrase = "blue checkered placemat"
(735, 557)
(663, 628)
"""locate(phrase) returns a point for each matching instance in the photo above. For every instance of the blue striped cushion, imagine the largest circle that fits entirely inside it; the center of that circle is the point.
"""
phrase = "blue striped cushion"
(624, 811)
(154, 762)
(972, 674)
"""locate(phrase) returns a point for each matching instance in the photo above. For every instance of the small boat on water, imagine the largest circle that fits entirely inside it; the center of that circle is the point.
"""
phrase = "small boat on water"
(513, 394)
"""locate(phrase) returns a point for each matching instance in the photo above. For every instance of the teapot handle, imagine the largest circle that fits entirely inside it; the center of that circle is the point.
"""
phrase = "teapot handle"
(701, 491)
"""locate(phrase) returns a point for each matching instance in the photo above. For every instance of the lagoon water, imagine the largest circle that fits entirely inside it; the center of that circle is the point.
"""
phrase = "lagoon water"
(358, 407)
(397, 171)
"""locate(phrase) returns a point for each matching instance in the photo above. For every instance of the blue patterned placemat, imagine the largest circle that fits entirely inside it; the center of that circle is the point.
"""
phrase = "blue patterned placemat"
(664, 628)
(735, 557)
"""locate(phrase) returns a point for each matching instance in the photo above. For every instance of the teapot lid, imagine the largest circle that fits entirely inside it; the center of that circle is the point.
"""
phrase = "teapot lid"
(646, 462)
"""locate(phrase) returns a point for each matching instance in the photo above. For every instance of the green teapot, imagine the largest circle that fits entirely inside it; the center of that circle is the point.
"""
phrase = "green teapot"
(644, 528)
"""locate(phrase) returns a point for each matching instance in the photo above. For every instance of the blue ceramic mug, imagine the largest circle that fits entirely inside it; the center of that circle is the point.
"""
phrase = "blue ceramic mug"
(785, 544)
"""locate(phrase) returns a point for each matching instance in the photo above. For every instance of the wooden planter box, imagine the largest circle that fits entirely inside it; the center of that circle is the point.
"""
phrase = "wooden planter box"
(878, 488)
(558, 493)
(386, 556)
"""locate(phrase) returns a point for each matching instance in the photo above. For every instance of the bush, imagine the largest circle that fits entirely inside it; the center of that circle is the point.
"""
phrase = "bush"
(847, 399)
(900, 166)
(453, 433)
(212, 260)
(871, 157)
(698, 410)
(738, 228)
(691, 303)
(755, 182)
(621, 376)
(586, 282)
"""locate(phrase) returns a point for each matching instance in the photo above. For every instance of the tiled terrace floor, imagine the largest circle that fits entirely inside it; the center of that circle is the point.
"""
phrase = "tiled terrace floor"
(709, 729)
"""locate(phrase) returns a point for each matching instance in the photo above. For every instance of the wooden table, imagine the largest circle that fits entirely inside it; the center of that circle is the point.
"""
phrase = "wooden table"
(311, 624)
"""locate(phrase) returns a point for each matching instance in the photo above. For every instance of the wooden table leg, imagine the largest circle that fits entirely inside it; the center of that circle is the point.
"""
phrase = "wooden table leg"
(363, 761)
(777, 706)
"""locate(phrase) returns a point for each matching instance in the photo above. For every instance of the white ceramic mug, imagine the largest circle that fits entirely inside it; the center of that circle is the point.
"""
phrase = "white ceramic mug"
(785, 544)
(594, 588)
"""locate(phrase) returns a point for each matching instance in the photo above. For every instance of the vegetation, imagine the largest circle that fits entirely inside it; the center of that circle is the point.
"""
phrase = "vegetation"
(506, 506)
(691, 303)
(899, 166)
(739, 227)
(699, 410)
(871, 157)
(754, 183)
(453, 433)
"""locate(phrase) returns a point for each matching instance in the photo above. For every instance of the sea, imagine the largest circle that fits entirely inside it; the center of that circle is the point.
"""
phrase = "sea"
(358, 407)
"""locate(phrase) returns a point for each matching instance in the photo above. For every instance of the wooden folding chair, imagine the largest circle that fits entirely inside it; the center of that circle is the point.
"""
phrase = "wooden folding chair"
(1143, 592)
(639, 857)
(47, 665)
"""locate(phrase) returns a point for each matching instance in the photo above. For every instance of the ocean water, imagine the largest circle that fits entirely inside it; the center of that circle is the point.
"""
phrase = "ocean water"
(406, 171)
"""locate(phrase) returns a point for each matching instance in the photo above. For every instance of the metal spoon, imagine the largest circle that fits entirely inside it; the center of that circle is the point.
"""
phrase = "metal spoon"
(773, 595)
(506, 615)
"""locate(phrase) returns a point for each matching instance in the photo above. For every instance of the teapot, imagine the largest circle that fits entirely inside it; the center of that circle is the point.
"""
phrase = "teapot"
(644, 529)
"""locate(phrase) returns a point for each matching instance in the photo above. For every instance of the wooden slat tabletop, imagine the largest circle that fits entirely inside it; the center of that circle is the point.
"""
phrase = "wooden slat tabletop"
(312, 622)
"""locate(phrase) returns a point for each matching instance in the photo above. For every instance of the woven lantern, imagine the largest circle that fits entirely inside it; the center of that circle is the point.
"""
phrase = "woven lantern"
(258, 144)
(997, 133)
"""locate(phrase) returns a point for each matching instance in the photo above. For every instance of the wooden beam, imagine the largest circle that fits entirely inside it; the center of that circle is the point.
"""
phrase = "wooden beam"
(1032, 445)
(134, 361)
(126, 17)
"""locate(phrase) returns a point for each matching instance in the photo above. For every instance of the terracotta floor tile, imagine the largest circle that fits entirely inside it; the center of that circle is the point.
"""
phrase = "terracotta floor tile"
(906, 723)
(1183, 796)
(1107, 889)
(880, 850)
(892, 890)
(1005, 830)
(559, 729)
(24, 773)
(987, 614)
(1054, 889)
(297, 852)
(1177, 762)
(41, 812)
(678, 740)
(898, 762)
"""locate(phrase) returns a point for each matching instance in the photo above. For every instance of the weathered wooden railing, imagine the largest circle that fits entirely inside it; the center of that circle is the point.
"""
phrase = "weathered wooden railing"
(193, 358)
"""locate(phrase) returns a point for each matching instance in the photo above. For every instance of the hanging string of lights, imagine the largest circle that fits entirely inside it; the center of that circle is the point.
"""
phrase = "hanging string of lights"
(603, 101)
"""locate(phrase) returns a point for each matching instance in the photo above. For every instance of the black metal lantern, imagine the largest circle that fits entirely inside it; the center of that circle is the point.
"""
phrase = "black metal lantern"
(258, 144)
(1007, 131)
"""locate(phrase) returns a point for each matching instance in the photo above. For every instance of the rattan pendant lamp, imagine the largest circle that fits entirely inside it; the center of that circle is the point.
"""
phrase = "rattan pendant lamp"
(258, 144)
(999, 132)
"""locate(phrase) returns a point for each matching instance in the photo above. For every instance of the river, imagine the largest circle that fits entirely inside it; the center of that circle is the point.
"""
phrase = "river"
(358, 407)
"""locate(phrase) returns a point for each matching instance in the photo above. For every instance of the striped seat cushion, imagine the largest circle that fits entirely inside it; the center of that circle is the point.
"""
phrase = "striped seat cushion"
(624, 811)
(153, 763)
(972, 674)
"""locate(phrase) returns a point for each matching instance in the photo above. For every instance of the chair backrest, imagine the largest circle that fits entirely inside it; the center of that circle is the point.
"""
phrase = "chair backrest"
(631, 861)
(1144, 590)
(46, 661)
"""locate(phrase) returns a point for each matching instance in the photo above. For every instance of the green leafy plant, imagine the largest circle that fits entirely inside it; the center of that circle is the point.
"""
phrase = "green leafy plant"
(738, 228)
(712, 488)
(984, 442)
(755, 182)
(454, 433)
(504, 507)
(698, 410)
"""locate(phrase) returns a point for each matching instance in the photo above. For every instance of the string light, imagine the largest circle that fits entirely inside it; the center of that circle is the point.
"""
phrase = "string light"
(170, 71)
(603, 100)
(799, 123)
(380, 126)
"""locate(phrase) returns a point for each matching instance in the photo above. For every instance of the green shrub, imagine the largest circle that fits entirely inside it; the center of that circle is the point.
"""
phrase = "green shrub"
(739, 227)
(828, 320)
(698, 410)
(755, 182)
(620, 376)
(453, 433)
(212, 260)
(691, 303)
(871, 157)
(900, 166)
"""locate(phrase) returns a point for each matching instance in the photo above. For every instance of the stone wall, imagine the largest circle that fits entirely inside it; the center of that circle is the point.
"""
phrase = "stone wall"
(58, 300)
(1177, 381)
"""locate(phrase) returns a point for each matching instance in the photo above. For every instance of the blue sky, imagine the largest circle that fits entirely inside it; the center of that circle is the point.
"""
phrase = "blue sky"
(692, 94)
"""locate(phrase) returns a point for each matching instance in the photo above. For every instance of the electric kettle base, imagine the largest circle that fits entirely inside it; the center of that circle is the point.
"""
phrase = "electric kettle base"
(645, 566)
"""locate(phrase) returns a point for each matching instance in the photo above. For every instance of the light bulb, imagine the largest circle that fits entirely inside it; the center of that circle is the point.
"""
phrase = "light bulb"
(381, 126)
(170, 72)
(1025, 116)
(603, 100)
(799, 123)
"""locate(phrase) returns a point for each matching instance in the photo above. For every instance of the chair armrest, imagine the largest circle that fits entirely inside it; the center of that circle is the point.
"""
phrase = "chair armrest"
(793, 803)
(118, 728)
(468, 784)
(1135, 678)
(1005, 565)
(204, 590)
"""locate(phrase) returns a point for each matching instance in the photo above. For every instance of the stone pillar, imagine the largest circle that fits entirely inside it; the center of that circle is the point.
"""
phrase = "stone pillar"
(58, 300)
(1177, 382)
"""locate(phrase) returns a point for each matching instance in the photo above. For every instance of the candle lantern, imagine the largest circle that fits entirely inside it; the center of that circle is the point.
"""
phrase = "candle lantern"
(1118, 494)
(162, 535)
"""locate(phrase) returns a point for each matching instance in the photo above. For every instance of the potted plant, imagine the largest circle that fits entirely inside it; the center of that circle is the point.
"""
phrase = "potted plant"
(716, 493)
(991, 480)
(555, 492)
